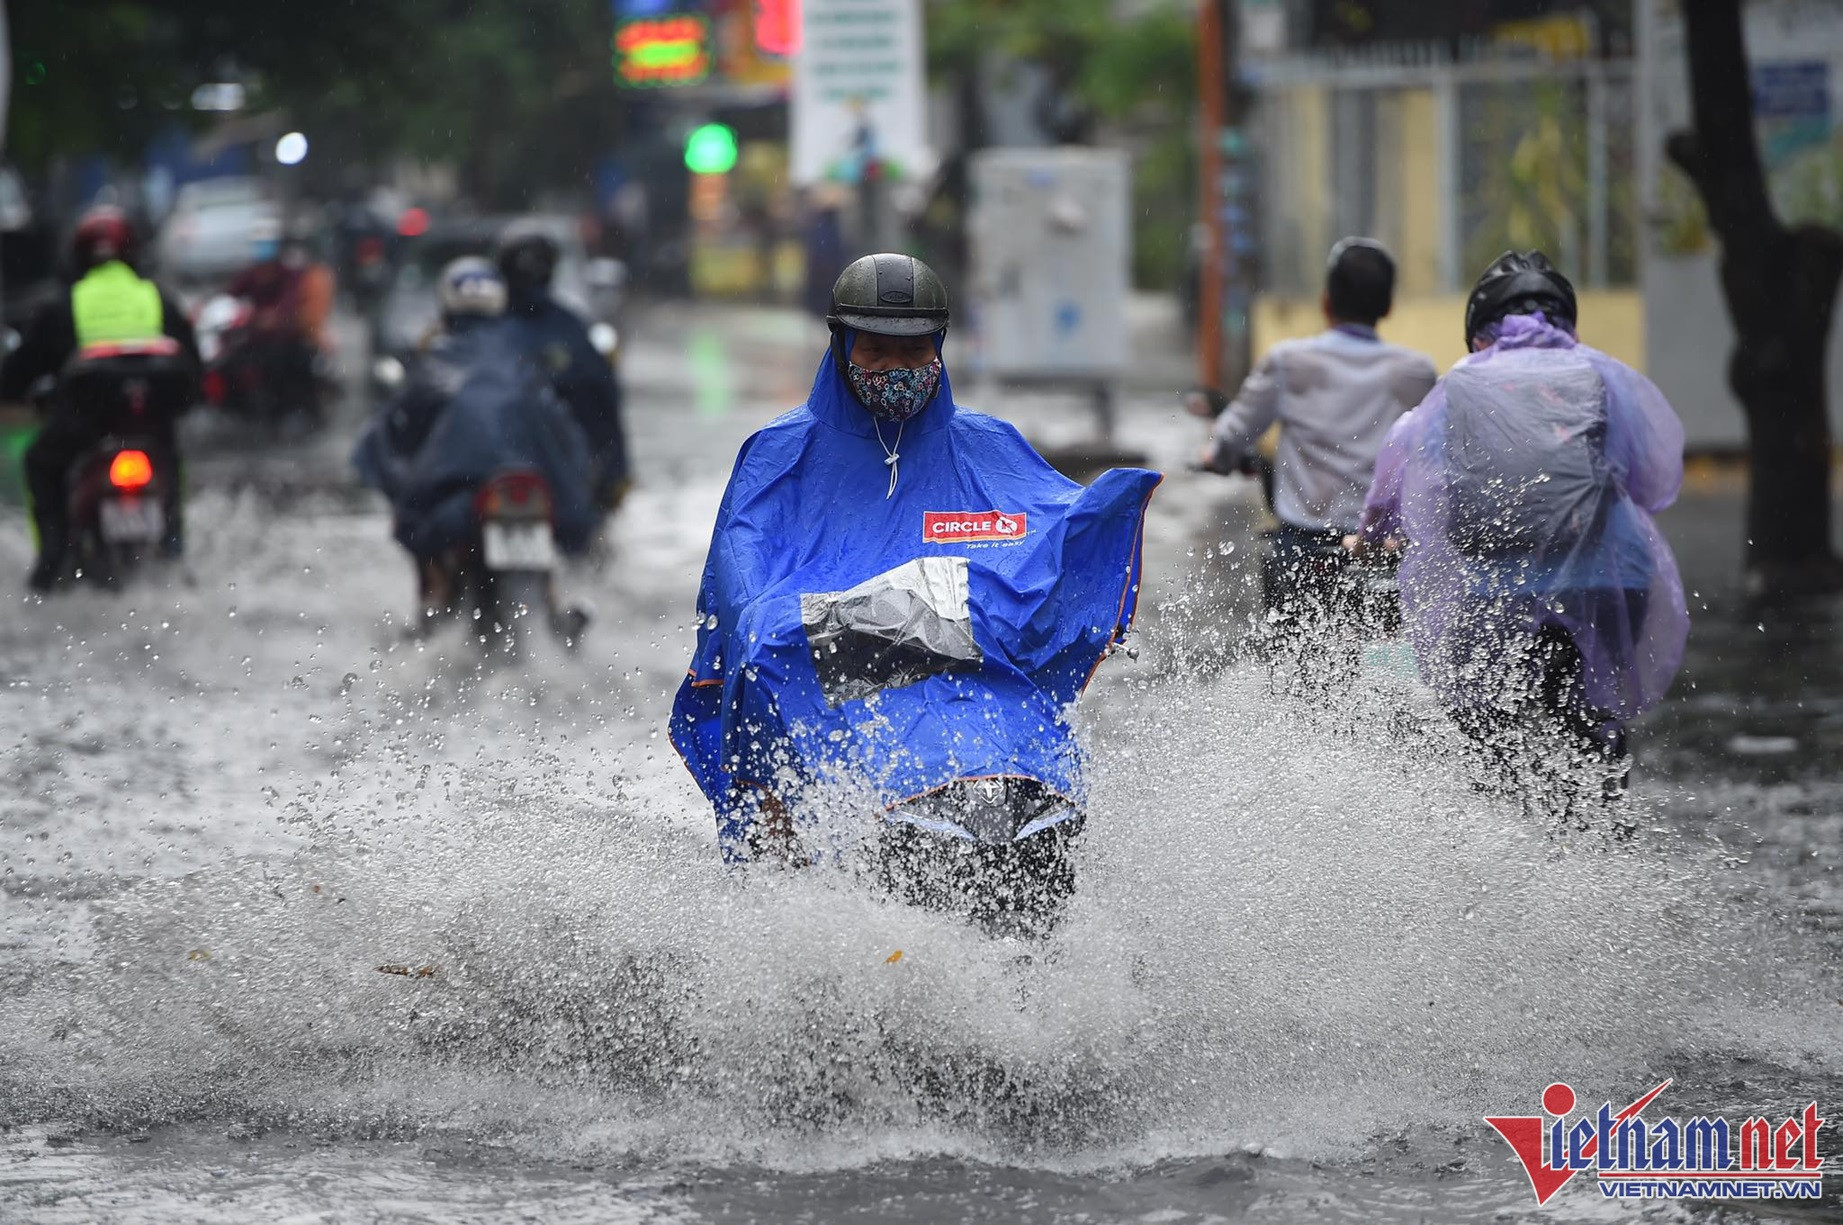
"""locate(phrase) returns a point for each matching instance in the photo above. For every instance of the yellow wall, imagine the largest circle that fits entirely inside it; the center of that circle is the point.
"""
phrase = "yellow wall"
(1612, 320)
(1310, 159)
(1420, 224)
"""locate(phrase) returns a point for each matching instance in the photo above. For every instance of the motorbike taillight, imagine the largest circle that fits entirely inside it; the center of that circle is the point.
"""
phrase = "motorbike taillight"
(213, 384)
(131, 470)
(514, 494)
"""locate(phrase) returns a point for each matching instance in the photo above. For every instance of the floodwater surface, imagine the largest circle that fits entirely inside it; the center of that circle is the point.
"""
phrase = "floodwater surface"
(300, 919)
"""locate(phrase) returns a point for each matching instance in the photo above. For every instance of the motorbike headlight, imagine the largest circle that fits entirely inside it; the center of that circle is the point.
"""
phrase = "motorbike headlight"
(605, 339)
(388, 372)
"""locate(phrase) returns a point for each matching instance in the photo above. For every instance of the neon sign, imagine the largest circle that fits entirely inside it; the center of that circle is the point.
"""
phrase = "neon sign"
(777, 26)
(657, 51)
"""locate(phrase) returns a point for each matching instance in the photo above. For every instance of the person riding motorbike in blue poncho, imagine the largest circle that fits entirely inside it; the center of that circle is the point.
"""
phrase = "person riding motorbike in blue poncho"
(475, 405)
(901, 602)
(559, 343)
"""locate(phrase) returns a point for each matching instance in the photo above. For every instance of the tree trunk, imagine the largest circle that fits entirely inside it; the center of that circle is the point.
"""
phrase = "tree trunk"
(1781, 289)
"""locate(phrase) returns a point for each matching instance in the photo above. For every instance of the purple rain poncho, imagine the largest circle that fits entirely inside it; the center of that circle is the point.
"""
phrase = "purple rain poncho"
(1524, 485)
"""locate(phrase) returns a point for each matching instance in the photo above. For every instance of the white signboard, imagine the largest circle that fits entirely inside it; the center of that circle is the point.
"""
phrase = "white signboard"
(1795, 51)
(858, 94)
(1051, 244)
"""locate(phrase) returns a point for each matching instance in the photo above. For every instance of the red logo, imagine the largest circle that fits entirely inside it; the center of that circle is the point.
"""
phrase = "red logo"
(962, 526)
(1638, 1158)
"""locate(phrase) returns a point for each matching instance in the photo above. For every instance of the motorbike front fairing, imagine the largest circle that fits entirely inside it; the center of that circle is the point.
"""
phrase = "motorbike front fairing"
(907, 639)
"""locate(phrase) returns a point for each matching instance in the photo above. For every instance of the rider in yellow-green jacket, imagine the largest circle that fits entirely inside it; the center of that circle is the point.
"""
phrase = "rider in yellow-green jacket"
(109, 307)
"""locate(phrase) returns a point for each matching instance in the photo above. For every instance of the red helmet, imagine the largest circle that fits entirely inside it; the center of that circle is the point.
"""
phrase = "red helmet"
(103, 233)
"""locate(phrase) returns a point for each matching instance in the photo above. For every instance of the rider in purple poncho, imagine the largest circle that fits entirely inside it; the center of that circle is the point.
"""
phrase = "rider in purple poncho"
(1523, 487)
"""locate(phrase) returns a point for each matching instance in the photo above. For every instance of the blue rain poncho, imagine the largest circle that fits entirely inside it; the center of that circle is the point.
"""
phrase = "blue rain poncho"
(900, 640)
(559, 343)
(1524, 486)
(475, 405)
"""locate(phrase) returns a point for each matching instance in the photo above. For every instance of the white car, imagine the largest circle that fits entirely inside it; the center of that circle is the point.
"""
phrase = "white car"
(208, 234)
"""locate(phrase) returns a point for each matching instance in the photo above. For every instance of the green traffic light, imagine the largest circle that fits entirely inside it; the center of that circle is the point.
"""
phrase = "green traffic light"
(711, 149)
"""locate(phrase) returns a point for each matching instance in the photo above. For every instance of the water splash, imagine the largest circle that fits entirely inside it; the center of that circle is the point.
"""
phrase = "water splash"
(1292, 933)
(1298, 926)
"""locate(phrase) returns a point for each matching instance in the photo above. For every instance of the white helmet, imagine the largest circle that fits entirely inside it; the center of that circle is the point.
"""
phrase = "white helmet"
(472, 286)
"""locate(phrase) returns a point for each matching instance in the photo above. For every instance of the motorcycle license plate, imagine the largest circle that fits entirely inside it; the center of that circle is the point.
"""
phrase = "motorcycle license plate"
(1394, 657)
(131, 520)
(518, 546)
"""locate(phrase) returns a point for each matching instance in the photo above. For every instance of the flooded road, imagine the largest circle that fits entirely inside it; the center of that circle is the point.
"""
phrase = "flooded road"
(302, 920)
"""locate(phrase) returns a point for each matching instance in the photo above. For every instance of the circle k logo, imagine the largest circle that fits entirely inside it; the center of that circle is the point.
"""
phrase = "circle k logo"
(965, 526)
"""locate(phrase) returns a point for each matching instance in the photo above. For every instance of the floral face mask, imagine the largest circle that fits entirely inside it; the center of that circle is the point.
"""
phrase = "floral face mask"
(895, 395)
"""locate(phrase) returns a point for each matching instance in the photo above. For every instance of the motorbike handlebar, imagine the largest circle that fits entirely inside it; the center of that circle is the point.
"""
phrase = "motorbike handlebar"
(1245, 465)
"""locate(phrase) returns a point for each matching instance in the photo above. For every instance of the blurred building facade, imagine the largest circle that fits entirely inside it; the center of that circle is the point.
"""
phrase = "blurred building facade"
(1450, 131)
(722, 226)
(1795, 53)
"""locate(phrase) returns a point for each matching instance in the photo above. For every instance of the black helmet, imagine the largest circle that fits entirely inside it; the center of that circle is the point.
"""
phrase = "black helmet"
(891, 295)
(527, 256)
(1518, 285)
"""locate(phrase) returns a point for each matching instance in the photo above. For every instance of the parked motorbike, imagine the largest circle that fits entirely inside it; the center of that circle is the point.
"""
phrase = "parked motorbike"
(503, 581)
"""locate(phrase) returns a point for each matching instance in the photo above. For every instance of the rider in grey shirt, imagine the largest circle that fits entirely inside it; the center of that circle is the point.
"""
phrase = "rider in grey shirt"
(1335, 396)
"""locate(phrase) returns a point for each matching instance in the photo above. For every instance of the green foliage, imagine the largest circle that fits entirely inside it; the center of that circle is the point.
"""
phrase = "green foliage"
(68, 91)
(1116, 58)
(1129, 63)
(1164, 188)
(1146, 64)
(102, 75)
(519, 93)
(1531, 144)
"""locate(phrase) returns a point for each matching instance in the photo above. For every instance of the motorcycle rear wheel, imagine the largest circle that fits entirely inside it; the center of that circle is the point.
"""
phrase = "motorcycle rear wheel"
(99, 564)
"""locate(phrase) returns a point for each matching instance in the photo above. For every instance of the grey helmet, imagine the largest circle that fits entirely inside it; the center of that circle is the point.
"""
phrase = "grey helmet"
(891, 295)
